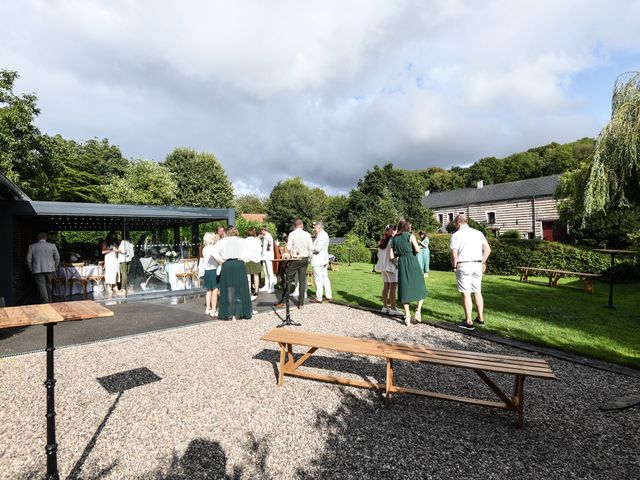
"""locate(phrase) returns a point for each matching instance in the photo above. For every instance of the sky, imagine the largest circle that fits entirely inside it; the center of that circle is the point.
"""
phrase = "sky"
(324, 89)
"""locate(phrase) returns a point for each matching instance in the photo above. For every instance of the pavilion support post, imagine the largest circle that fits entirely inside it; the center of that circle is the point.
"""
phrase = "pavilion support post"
(195, 240)
(52, 446)
(176, 239)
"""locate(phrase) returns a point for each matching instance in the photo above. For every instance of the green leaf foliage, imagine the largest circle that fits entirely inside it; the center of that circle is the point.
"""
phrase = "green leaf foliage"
(291, 199)
(354, 248)
(250, 204)
(201, 179)
(145, 182)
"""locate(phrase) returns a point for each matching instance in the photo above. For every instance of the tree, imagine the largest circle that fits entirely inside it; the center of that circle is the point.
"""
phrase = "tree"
(250, 204)
(23, 155)
(145, 182)
(614, 176)
(85, 168)
(292, 199)
(201, 179)
(336, 215)
(390, 193)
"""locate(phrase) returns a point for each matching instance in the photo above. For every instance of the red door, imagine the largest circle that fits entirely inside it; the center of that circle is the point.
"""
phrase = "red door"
(547, 231)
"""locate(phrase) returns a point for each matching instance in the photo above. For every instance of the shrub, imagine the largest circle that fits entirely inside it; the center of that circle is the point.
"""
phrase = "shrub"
(357, 246)
(508, 254)
(514, 234)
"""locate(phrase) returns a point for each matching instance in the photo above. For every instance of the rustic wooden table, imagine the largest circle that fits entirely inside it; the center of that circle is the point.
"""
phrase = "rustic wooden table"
(49, 314)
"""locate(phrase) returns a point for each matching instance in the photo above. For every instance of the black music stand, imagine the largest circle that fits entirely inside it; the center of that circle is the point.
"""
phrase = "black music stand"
(287, 318)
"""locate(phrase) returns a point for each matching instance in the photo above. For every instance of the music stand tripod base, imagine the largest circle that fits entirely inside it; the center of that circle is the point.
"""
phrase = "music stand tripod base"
(287, 322)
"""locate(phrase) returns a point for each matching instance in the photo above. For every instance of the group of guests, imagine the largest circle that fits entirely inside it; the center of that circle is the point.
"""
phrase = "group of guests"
(233, 266)
(403, 260)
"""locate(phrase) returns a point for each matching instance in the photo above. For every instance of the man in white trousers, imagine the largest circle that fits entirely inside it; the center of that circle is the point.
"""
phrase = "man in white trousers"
(267, 261)
(320, 263)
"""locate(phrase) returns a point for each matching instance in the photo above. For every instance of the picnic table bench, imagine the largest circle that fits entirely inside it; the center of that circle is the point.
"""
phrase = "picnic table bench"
(555, 275)
(480, 363)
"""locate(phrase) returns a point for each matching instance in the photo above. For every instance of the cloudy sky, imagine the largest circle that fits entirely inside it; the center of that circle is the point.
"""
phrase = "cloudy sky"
(321, 89)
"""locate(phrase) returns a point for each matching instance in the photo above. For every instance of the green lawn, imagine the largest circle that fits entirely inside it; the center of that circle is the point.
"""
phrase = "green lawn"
(564, 317)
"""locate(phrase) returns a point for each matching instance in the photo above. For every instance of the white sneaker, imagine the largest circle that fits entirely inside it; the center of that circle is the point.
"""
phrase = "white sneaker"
(253, 297)
(207, 311)
(271, 290)
(264, 289)
(397, 313)
(384, 310)
(407, 320)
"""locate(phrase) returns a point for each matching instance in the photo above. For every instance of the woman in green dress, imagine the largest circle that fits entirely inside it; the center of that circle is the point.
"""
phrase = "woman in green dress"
(411, 286)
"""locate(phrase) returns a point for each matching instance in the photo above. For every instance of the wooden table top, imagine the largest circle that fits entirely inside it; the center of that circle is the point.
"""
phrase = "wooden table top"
(26, 315)
(615, 252)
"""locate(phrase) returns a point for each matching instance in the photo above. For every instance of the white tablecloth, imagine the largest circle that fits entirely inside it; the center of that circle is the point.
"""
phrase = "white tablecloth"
(58, 290)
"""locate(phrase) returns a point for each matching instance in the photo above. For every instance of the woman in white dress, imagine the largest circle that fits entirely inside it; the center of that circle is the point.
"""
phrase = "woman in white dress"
(111, 266)
(389, 272)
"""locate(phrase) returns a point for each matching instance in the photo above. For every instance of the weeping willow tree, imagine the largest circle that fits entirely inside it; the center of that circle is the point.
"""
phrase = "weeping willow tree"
(614, 176)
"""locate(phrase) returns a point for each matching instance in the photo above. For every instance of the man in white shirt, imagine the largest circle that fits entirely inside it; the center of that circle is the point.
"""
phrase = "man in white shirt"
(300, 247)
(267, 261)
(125, 254)
(320, 263)
(469, 253)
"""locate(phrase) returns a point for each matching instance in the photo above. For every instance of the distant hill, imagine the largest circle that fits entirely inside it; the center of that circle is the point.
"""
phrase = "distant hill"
(549, 159)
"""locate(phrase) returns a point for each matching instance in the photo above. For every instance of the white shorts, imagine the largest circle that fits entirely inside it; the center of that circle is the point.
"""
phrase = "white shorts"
(469, 277)
(390, 277)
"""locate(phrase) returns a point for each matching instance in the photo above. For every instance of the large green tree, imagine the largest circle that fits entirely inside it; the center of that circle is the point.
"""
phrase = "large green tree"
(24, 158)
(336, 215)
(291, 199)
(144, 182)
(250, 204)
(614, 176)
(387, 191)
(201, 179)
(85, 168)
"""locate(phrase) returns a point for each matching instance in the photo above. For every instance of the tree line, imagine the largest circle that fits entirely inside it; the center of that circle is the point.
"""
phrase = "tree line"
(598, 195)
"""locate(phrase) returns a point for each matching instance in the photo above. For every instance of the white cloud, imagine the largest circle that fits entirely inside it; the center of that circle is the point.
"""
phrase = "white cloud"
(320, 89)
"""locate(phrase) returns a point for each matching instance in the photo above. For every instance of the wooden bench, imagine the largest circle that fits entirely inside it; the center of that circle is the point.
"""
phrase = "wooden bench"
(555, 275)
(480, 363)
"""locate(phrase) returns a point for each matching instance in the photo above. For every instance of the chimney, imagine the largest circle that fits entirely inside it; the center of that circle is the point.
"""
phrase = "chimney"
(427, 192)
(480, 184)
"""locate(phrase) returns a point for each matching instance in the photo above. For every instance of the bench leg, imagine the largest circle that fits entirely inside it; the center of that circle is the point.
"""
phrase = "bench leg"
(588, 285)
(389, 384)
(518, 398)
(281, 369)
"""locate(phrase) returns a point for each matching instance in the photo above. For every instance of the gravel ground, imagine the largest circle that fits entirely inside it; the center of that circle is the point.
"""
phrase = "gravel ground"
(216, 412)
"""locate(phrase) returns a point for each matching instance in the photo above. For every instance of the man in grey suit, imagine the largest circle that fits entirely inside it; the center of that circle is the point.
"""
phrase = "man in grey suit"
(43, 259)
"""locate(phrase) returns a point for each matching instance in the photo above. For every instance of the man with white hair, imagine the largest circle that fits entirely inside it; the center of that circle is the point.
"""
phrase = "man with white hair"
(469, 253)
(320, 263)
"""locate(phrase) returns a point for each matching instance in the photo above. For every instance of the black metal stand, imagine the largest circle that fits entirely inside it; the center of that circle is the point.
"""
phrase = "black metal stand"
(287, 318)
(610, 304)
(52, 446)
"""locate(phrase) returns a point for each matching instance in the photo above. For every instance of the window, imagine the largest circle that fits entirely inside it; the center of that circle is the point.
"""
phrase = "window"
(450, 215)
(461, 213)
(440, 218)
(491, 218)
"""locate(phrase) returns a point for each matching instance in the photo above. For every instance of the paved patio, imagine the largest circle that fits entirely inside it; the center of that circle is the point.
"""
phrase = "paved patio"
(202, 402)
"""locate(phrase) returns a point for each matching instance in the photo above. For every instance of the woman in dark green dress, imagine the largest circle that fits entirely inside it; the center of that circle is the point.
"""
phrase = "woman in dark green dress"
(411, 286)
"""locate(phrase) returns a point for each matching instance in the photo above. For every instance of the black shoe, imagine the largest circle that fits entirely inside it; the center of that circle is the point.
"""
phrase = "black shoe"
(479, 322)
(465, 325)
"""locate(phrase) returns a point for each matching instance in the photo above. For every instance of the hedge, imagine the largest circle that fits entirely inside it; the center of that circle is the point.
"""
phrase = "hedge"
(508, 254)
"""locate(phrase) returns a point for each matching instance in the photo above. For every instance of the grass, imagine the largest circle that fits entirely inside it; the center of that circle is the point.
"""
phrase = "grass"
(565, 318)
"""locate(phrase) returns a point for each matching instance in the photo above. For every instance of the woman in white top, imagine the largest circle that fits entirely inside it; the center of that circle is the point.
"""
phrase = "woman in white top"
(235, 300)
(389, 272)
(210, 272)
(252, 259)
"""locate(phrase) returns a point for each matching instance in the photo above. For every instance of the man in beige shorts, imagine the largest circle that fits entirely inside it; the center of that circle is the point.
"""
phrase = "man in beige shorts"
(469, 253)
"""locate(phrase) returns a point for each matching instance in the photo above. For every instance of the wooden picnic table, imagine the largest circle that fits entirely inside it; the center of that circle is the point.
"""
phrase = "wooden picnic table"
(480, 363)
(49, 314)
(555, 275)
